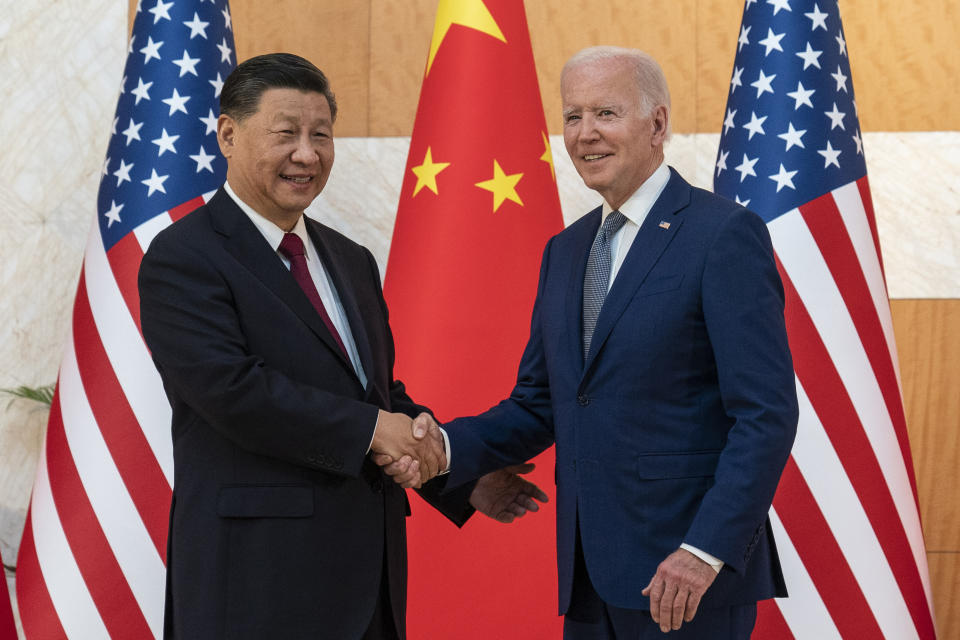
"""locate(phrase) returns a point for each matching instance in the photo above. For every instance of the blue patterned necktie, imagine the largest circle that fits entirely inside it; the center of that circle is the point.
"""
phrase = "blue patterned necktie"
(596, 280)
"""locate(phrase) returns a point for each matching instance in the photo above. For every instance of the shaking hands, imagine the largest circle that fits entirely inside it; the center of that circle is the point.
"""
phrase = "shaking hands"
(413, 452)
(414, 449)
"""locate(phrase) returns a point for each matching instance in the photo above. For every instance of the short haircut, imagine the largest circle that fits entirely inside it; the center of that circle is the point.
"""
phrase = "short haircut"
(651, 82)
(243, 88)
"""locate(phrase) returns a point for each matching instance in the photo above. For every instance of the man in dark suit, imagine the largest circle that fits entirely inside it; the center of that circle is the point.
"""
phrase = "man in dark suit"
(658, 363)
(270, 333)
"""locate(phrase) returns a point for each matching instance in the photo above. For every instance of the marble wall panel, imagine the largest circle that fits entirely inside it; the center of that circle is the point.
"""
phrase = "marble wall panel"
(60, 70)
(912, 178)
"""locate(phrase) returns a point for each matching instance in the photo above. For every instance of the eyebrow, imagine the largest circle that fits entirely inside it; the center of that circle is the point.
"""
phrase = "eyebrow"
(282, 117)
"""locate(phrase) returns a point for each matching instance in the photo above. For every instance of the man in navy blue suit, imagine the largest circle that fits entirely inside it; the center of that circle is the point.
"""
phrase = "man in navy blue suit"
(658, 363)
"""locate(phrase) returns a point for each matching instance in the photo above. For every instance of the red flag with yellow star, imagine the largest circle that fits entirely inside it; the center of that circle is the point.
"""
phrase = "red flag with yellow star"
(478, 203)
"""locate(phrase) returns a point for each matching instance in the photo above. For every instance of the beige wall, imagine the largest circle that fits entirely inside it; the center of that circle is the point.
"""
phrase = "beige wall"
(903, 54)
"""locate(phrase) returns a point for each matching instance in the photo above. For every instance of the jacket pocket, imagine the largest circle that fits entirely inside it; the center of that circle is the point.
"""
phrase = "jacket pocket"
(265, 501)
(660, 285)
(690, 464)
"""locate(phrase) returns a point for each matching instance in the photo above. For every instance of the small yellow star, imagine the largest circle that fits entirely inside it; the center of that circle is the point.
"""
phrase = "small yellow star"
(503, 186)
(548, 155)
(467, 13)
(427, 173)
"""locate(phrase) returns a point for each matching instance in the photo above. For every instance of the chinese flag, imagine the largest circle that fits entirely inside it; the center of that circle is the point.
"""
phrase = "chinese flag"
(478, 203)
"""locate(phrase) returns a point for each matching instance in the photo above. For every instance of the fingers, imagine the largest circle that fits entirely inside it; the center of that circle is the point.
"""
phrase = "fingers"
(693, 602)
(655, 590)
(528, 503)
(430, 452)
(422, 425)
(411, 479)
(405, 471)
(521, 469)
(676, 589)
(381, 459)
(677, 606)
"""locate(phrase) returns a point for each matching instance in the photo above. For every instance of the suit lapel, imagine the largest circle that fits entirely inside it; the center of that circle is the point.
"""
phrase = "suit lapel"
(580, 252)
(342, 275)
(650, 243)
(246, 244)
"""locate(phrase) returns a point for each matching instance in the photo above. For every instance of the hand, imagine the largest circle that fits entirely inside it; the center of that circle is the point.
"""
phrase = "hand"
(677, 587)
(503, 495)
(420, 454)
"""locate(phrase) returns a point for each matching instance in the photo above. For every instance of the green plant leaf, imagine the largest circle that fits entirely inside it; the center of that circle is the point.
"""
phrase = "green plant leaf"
(43, 395)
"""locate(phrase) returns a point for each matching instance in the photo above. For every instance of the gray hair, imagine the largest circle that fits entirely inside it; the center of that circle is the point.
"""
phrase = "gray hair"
(651, 83)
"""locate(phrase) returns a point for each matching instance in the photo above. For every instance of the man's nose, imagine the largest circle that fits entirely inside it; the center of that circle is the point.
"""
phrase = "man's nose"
(305, 153)
(587, 131)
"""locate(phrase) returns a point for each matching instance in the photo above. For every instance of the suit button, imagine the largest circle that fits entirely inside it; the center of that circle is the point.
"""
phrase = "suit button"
(377, 485)
(583, 400)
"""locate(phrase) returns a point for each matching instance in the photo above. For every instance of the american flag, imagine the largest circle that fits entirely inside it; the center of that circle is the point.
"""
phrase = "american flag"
(845, 515)
(92, 559)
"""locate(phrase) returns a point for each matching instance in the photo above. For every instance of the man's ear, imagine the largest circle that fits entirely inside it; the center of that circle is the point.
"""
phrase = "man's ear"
(226, 134)
(660, 120)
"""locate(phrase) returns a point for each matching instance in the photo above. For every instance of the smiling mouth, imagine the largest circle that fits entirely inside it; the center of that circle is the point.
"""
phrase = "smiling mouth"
(595, 156)
(297, 179)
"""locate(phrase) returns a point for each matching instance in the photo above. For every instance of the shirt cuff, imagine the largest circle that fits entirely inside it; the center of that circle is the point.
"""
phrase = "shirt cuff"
(446, 450)
(715, 563)
(374, 434)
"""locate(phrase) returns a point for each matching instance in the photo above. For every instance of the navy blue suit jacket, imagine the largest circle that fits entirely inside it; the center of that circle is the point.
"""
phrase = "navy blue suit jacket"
(677, 426)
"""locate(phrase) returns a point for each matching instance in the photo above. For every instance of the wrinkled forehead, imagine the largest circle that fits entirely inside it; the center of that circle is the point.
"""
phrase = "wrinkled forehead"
(596, 82)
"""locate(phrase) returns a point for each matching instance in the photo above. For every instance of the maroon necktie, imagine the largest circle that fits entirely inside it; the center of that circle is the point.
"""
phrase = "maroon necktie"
(292, 247)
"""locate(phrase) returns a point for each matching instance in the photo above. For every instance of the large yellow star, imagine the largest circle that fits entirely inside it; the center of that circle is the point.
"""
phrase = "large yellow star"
(427, 173)
(503, 186)
(548, 155)
(468, 13)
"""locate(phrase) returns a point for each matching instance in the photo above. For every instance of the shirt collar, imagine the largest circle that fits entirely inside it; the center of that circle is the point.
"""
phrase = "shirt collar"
(639, 204)
(270, 231)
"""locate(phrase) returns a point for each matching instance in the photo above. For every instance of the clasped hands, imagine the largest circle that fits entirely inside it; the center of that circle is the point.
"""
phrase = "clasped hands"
(412, 452)
(413, 447)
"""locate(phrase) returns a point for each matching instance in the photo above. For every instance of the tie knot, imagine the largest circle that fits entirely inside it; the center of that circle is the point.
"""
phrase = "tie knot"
(291, 245)
(612, 224)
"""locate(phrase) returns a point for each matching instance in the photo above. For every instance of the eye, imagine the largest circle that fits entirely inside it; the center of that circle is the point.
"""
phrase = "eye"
(571, 118)
(605, 113)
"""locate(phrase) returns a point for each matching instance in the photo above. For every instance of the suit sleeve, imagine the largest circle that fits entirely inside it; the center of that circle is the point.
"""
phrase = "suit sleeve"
(517, 428)
(743, 305)
(192, 326)
(454, 504)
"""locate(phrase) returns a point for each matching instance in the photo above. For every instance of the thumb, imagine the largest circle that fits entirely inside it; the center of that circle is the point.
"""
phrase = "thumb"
(521, 468)
(421, 425)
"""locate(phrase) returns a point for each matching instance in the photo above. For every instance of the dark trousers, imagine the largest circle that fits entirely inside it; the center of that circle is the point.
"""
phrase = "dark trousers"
(590, 618)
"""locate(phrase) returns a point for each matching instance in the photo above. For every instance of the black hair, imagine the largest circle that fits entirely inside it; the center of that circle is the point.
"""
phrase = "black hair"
(243, 88)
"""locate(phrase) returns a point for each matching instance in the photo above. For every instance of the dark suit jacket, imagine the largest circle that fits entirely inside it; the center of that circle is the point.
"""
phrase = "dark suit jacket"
(679, 423)
(279, 520)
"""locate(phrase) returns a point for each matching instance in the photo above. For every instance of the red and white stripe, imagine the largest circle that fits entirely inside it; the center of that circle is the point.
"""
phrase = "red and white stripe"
(92, 560)
(845, 516)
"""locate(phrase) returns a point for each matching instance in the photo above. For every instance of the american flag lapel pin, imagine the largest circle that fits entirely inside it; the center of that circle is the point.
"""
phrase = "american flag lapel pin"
(664, 224)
